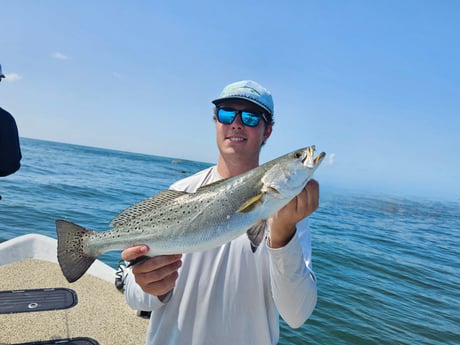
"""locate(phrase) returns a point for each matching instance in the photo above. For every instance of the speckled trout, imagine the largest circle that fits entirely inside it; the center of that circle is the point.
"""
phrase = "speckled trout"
(173, 222)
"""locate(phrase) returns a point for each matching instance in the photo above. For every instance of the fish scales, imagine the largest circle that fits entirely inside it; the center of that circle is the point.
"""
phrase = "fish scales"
(149, 228)
(178, 222)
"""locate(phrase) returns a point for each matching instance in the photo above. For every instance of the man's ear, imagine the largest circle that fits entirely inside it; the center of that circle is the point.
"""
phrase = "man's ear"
(268, 132)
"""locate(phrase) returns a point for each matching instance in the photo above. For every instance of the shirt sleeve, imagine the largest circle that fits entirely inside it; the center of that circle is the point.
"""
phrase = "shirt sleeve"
(292, 278)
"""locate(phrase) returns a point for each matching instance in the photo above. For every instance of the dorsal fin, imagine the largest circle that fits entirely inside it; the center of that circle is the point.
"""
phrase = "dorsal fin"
(145, 206)
(212, 184)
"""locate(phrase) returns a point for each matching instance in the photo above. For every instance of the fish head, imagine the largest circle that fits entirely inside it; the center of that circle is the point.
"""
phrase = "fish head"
(289, 174)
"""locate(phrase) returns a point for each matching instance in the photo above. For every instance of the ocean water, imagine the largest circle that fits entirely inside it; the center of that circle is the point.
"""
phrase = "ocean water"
(388, 268)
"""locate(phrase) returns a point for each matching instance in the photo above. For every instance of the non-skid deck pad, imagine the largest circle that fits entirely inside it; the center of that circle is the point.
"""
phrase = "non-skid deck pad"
(74, 341)
(23, 301)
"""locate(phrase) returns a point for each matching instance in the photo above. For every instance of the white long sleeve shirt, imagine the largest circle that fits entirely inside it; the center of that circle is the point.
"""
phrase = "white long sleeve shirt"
(230, 295)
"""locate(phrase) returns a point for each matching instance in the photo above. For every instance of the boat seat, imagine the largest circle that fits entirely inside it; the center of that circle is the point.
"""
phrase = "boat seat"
(24, 301)
(32, 300)
(69, 341)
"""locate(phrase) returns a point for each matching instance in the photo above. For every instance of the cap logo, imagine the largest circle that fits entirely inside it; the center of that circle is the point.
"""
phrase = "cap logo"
(251, 90)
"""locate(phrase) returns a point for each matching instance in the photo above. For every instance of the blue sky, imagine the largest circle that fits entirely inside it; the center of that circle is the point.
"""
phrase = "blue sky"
(375, 84)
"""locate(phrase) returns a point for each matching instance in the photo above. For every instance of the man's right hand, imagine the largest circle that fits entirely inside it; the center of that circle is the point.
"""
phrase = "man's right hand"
(156, 276)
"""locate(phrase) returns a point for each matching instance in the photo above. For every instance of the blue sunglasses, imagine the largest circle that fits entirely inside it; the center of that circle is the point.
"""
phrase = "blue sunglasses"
(250, 119)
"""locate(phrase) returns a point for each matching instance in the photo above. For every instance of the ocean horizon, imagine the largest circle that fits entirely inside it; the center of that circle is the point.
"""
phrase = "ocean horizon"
(387, 265)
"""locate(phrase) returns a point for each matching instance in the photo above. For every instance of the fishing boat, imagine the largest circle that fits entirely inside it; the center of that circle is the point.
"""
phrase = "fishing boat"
(39, 306)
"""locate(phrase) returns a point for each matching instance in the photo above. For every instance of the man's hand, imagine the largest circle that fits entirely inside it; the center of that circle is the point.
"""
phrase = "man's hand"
(157, 275)
(283, 223)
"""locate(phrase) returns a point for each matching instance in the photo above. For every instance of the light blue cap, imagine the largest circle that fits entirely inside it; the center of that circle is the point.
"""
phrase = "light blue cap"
(248, 90)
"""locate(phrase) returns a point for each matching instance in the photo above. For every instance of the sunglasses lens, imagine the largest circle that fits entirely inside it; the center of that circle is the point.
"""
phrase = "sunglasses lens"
(250, 119)
(226, 116)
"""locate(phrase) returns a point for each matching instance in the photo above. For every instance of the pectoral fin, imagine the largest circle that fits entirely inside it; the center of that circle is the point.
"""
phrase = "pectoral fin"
(249, 205)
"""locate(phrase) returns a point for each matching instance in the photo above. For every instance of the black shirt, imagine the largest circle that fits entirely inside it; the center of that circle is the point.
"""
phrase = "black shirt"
(10, 151)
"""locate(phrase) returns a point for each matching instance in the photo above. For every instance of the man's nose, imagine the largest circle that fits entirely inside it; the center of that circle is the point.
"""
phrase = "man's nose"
(238, 122)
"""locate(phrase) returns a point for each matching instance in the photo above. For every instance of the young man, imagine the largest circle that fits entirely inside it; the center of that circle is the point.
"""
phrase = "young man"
(230, 294)
(10, 151)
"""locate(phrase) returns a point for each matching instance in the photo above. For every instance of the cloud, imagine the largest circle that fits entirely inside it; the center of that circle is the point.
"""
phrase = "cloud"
(330, 159)
(12, 77)
(59, 56)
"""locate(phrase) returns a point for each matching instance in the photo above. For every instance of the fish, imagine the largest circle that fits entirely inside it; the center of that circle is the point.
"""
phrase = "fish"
(175, 222)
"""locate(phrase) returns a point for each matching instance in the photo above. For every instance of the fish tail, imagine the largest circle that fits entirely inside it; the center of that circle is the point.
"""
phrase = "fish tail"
(71, 254)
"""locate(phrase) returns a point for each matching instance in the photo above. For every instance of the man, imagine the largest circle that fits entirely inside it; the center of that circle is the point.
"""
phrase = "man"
(230, 294)
(10, 151)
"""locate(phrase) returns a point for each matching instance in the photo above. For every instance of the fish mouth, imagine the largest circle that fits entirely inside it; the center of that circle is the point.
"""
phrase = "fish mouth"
(319, 158)
(309, 160)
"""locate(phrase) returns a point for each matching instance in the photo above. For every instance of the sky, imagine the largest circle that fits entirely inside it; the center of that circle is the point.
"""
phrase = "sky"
(374, 84)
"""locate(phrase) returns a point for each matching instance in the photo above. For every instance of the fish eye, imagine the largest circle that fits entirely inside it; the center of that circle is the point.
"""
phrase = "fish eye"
(298, 154)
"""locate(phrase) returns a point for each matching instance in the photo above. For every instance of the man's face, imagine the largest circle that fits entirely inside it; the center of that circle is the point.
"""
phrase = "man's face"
(237, 138)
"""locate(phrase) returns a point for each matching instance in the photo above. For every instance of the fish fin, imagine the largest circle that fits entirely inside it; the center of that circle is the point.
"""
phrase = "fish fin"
(250, 204)
(145, 206)
(212, 184)
(256, 234)
(73, 259)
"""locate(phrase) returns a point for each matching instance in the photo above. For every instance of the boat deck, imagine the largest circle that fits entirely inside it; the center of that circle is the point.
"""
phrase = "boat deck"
(101, 312)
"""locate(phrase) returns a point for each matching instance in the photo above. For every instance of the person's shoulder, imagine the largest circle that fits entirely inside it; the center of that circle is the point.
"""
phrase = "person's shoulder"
(4, 112)
(192, 182)
(6, 116)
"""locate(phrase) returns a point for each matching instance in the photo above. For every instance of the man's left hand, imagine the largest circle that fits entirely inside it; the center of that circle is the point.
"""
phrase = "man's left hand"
(283, 223)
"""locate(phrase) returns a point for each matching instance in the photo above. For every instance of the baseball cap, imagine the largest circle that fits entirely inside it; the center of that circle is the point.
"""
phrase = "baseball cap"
(1, 74)
(248, 90)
